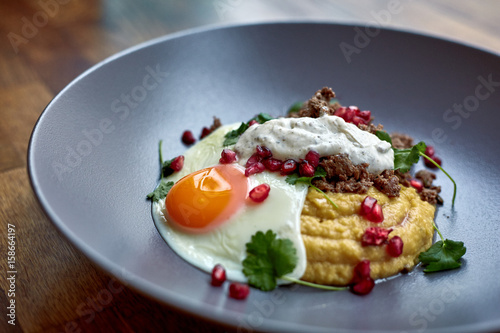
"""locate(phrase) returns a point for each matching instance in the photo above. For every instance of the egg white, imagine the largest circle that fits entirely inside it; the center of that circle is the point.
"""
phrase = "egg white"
(225, 244)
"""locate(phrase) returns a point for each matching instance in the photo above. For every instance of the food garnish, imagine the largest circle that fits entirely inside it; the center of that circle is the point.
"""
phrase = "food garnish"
(405, 158)
(320, 172)
(232, 137)
(269, 259)
(218, 275)
(161, 191)
(442, 255)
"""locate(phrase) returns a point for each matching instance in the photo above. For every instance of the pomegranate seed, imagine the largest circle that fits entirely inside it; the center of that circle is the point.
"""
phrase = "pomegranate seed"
(349, 114)
(429, 151)
(354, 109)
(272, 164)
(177, 163)
(263, 151)
(227, 156)
(375, 236)
(255, 158)
(431, 165)
(313, 158)
(367, 205)
(260, 192)
(371, 210)
(238, 290)
(362, 283)
(204, 132)
(288, 167)
(361, 271)
(306, 169)
(340, 112)
(417, 184)
(366, 115)
(376, 215)
(188, 138)
(254, 168)
(356, 120)
(252, 122)
(364, 286)
(218, 275)
(395, 246)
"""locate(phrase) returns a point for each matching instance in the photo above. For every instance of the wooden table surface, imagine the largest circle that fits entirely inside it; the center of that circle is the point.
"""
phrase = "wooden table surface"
(45, 44)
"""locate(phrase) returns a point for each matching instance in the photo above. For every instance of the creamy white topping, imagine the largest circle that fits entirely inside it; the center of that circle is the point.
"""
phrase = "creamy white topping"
(328, 135)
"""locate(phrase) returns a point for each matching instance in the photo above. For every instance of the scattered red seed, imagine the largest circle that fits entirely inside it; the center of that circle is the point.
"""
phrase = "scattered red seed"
(361, 270)
(376, 215)
(366, 115)
(238, 290)
(363, 287)
(255, 158)
(227, 156)
(260, 192)
(177, 163)
(252, 122)
(367, 205)
(306, 169)
(358, 120)
(288, 167)
(313, 158)
(218, 275)
(417, 184)
(188, 138)
(362, 283)
(395, 246)
(431, 165)
(263, 151)
(350, 112)
(353, 114)
(272, 164)
(254, 168)
(204, 132)
(375, 236)
(371, 210)
(429, 151)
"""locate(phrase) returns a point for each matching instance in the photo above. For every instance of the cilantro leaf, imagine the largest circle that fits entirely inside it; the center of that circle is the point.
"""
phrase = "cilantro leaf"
(320, 172)
(261, 118)
(166, 170)
(443, 255)
(161, 191)
(232, 136)
(295, 178)
(268, 259)
(405, 158)
(295, 107)
(384, 136)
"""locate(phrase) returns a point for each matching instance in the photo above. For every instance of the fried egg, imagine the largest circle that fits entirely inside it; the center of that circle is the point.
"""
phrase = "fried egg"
(207, 217)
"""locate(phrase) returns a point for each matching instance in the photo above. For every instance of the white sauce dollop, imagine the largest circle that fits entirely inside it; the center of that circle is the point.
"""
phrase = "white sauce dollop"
(328, 135)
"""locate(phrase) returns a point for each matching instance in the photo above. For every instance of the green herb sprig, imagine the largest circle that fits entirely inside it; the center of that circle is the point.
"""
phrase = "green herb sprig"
(161, 190)
(269, 259)
(320, 172)
(442, 255)
(232, 136)
(405, 158)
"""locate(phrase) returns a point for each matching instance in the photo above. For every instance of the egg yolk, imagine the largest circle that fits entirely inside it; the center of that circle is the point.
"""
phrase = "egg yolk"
(204, 199)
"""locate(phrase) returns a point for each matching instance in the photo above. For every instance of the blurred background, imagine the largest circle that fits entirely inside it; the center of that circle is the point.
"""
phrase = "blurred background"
(46, 43)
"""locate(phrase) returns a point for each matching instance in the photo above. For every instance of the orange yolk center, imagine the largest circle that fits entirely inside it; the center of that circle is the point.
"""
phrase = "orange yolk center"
(204, 199)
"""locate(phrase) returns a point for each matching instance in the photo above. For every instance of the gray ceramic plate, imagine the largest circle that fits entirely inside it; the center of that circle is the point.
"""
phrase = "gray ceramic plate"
(93, 158)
